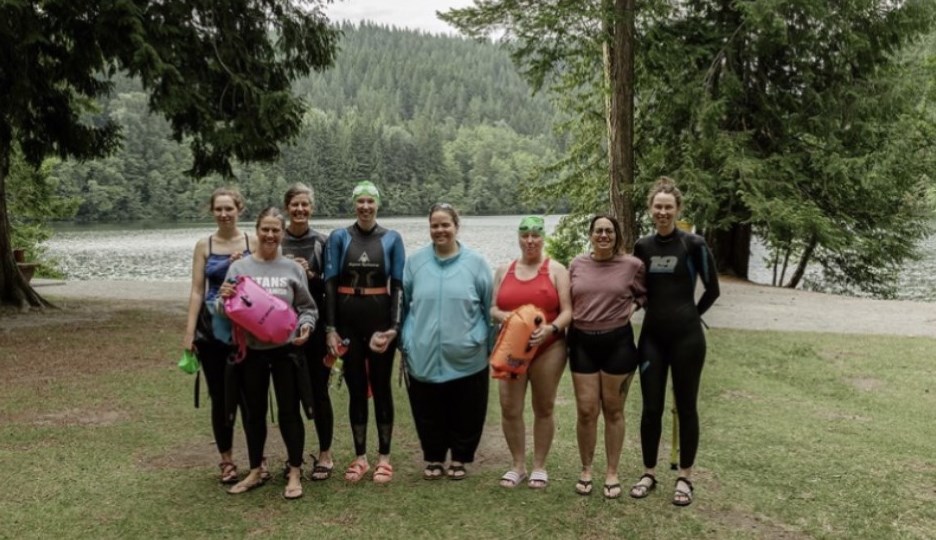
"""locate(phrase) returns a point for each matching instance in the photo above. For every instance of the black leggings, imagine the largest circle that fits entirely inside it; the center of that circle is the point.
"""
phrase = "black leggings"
(318, 374)
(254, 382)
(685, 353)
(213, 357)
(377, 371)
(450, 415)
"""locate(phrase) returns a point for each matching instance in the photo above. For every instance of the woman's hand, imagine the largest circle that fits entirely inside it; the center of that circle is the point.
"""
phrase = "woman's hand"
(227, 290)
(333, 341)
(235, 256)
(304, 332)
(303, 263)
(541, 334)
(379, 341)
(187, 341)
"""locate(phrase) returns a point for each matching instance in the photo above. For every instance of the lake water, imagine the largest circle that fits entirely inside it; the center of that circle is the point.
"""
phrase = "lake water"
(163, 252)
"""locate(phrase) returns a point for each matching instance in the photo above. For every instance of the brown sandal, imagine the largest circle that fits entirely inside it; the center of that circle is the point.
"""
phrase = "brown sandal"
(228, 472)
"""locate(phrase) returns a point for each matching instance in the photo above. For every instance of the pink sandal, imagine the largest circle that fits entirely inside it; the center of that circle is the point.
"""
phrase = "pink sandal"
(356, 471)
(383, 474)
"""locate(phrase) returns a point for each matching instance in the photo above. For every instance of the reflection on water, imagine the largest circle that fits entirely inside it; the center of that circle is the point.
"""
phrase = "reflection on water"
(109, 252)
(164, 253)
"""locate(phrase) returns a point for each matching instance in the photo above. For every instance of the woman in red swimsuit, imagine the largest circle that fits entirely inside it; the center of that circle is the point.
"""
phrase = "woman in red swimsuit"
(533, 279)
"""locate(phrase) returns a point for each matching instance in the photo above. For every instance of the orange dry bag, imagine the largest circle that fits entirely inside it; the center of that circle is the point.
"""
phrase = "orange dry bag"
(512, 353)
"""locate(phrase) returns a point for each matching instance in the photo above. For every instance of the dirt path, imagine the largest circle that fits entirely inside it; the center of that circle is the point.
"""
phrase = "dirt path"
(741, 305)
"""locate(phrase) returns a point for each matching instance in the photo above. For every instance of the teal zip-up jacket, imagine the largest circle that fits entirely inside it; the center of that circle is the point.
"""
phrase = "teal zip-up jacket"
(447, 315)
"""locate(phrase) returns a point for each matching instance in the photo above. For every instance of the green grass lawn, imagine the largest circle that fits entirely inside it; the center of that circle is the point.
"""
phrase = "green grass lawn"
(803, 436)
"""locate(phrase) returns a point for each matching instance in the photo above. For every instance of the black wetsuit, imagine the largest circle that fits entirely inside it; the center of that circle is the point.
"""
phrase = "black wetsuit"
(672, 337)
(311, 247)
(357, 263)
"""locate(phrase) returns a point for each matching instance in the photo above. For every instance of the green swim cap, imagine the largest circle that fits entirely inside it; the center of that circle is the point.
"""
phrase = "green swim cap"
(365, 188)
(533, 224)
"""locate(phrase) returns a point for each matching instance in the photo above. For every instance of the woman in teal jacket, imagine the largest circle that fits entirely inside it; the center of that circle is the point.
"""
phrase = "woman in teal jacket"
(447, 297)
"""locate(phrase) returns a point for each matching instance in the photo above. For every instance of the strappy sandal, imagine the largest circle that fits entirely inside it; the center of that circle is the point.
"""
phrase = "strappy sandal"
(265, 470)
(583, 487)
(457, 472)
(356, 471)
(640, 489)
(291, 494)
(295, 492)
(683, 497)
(320, 472)
(383, 474)
(244, 487)
(538, 480)
(228, 472)
(512, 479)
(286, 469)
(433, 471)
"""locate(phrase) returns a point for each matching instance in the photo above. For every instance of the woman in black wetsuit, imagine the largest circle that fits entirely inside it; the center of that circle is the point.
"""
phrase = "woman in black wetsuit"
(306, 246)
(363, 305)
(671, 337)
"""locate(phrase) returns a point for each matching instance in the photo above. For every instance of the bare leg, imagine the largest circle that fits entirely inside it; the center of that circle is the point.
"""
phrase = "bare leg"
(545, 375)
(588, 404)
(614, 390)
(512, 398)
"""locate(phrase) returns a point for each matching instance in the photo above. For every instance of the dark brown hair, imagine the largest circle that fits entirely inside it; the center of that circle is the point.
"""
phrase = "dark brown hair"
(447, 208)
(618, 237)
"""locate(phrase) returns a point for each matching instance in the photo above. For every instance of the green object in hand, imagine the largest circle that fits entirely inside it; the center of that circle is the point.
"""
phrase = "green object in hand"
(188, 363)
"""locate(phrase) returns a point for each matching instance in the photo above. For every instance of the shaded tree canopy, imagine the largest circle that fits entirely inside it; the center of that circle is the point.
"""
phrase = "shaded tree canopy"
(805, 124)
(220, 72)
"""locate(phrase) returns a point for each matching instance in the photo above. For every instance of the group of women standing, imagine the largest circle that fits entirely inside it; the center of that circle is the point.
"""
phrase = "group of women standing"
(439, 304)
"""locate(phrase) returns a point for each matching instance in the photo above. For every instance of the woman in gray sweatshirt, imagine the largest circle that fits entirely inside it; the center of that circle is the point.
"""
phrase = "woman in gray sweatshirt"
(285, 279)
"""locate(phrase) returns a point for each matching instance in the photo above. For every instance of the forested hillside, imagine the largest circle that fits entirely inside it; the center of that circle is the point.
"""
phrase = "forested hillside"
(428, 118)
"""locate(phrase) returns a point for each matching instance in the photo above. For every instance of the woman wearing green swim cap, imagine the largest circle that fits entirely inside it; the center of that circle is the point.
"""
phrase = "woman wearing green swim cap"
(533, 279)
(363, 306)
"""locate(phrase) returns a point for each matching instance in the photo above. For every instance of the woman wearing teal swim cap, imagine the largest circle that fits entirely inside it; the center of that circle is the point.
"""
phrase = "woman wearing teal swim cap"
(533, 279)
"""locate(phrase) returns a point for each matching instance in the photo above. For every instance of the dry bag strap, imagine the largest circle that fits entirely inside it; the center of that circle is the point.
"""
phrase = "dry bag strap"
(363, 291)
(197, 386)
(240, 340)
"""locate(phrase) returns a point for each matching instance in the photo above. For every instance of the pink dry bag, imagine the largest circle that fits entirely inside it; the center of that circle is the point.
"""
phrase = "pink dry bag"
(253, 309)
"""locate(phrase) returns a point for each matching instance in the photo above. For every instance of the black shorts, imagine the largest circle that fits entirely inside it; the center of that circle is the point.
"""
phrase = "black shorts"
(611, 351)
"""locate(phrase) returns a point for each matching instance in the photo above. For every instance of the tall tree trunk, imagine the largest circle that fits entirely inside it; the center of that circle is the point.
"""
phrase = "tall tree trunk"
(619, 107)
(803, 261)
(732, 249)
(13, 288)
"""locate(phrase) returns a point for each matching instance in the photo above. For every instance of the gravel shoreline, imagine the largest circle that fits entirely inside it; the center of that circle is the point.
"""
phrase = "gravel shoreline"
(742, 305)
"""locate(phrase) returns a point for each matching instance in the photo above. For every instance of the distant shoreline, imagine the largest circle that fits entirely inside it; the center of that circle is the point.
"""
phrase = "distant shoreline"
(742, 305)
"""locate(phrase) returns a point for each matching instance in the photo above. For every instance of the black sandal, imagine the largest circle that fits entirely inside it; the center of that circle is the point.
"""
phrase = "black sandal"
(641, 490)
(320, 473)
(683, 497)
(433, 471)
(583, 487)
(457, 472)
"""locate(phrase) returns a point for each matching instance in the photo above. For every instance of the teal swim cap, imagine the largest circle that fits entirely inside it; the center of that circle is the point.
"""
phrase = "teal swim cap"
(533, 224)
(365, 188)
